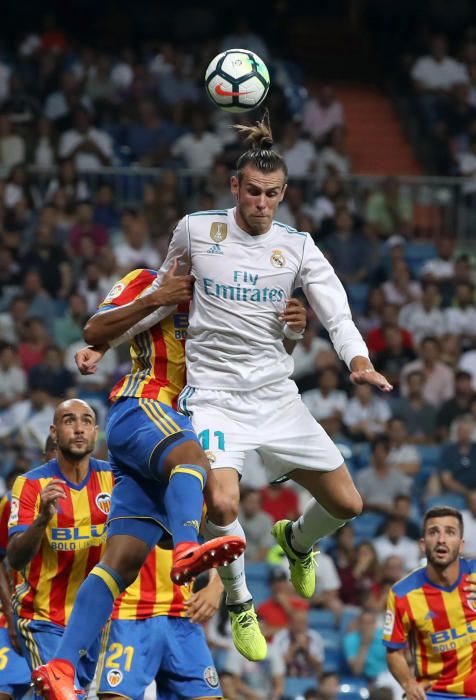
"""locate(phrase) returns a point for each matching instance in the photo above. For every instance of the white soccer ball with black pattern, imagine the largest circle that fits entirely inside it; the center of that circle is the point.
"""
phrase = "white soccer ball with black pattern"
(237, 80)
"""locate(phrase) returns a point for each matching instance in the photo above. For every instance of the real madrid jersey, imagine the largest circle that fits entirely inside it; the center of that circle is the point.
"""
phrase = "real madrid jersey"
(242, 282)
(73, 542)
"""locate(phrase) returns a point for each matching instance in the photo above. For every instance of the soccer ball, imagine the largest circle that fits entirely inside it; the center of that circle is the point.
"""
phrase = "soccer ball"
(237, 80)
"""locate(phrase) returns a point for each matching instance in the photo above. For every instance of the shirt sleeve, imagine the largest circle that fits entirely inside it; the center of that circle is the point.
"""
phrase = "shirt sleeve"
(179, 248)
(127, 289)
(24, 505)
(396, 625)
(328, 300)
(4, 516)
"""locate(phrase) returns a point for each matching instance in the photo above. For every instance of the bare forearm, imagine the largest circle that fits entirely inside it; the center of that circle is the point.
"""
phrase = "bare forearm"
(358, 662)
(359, 363)
(24, 545)
(399, 667)
(107, 325)
(5, 592)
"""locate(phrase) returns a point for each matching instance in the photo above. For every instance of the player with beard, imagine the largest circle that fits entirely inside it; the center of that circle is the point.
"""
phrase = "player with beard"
(57, 531)
(433, 610)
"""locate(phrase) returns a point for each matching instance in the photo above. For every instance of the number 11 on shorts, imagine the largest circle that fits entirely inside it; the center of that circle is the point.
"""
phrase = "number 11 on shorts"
(204, 438)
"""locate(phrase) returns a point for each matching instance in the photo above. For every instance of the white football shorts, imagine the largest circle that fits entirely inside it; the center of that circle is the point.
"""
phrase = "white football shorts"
(272, 420)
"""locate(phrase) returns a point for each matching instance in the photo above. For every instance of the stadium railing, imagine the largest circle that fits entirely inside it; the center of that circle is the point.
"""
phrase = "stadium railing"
(440, 205)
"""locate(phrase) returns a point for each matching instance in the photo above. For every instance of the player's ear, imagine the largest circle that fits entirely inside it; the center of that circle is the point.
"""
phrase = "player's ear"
(234, 185)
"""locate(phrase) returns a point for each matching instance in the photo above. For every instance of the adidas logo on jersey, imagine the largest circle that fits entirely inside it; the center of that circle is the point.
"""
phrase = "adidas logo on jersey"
(215, 250)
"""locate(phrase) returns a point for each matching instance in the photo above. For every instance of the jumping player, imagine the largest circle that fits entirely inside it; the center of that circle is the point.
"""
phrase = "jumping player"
(433, 610)
(57, 534)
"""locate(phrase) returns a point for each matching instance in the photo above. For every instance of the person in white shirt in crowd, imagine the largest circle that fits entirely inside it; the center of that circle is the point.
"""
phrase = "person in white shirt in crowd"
(136, 249)
(366, 414)
(300, 153)
(326, 400)
(469, 524)
(439, 378)
(307, 350)
(437, 72)
(44, 154)
(199, 147)
(89, 147)
(393, 541)
(460, 319)
(400, 289)
(297, 651)
(334, 159)
(403, 455)
(328, 585)
(28, 421)
(321, 113)
(468, 364)
(13, 382)
(442, 267)
(466, 161)
(12, 146)
(291, 209)
(57, 103)
(424, 317)
(379, 483)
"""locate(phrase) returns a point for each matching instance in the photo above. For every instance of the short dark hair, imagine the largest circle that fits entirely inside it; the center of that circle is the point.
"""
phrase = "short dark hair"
(381, 440)
(260, 154)
(442, 512)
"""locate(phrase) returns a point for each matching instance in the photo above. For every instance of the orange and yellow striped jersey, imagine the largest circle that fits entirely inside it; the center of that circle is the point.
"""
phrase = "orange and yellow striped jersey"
(158, 354)
(4, 516)
(153, 593)
(73, 542)
(440, 625)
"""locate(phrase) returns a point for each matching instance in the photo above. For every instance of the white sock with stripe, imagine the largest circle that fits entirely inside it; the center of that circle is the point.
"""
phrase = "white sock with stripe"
(233, 575)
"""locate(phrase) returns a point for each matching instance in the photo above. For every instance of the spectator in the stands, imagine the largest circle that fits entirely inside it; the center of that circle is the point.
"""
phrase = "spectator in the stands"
(280, 501)
(89, 147)
(51, 263)
(468, 364)
(136, 249)
(12, 145)
(68, 183)
(366, 414)
(322, 112)
(356, 565)
(402, 506)
(400, 289)
(393, 541)
(440, 268)
(391, 570)
(85, 227)
(12, 376)
(389, 210)
(371, 317)
(12, 320)
(460, 319)
(334, 159)
(300, 153)
(376, 341)
(297, 651)
(393, 359)
(51, 376)
(257, 525)
(379, 483)
(363, 648)
(469, 524)
(403, 455)
(307, 351)
(291, 208)
(27, 422)
(418, 415)
(327, 400)
(424, 317)
(69, 327)
(199, 146)
(458, 460)
(106, 213)
(35, 338)
(348, 250)
(459, 404)
(44, 154)
(276, 612)
(439, 379)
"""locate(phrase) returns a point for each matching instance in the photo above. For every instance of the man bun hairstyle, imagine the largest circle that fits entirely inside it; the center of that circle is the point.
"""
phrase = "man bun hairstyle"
(260, 153)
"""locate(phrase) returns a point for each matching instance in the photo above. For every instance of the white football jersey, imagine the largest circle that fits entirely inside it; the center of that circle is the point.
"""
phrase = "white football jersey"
(242, 282)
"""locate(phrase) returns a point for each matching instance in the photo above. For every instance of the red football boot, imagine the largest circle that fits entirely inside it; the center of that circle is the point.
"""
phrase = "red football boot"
(55, 680)
(191, 558)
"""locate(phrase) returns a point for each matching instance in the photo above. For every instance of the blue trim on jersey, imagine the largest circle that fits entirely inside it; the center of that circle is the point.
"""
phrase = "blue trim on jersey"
(415, 579)
(51, 468)
(210, 212)
(290, 229)
(394, 645)
(106, 307)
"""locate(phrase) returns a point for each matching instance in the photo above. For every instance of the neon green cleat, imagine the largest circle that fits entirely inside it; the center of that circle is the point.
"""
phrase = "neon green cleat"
(301, 566)
(246, 633)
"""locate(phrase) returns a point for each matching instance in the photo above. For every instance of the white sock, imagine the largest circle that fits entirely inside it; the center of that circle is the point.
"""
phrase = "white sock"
(315, 522)
(233, 575)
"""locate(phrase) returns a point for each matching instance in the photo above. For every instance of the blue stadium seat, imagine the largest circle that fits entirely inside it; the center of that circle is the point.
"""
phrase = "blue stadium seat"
(357, 294)
(429, 455)
(366, 525)
(334, 661)
(416, 254)
(347, 616)
(294, 687)
(362, 455)
(455, 500)
(321, 620)
(259, 590)
(257, 571)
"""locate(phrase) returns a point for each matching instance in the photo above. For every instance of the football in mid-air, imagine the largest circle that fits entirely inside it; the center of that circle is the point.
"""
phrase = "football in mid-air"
(237, 80)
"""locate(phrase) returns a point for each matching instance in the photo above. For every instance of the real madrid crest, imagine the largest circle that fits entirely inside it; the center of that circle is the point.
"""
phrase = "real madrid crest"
(218, 231)
(277, 258)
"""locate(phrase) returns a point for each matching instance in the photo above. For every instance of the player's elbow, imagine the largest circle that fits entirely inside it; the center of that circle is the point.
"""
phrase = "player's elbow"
(93, 334)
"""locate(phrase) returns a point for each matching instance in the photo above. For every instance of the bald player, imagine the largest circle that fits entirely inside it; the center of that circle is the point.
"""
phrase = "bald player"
(57, 532)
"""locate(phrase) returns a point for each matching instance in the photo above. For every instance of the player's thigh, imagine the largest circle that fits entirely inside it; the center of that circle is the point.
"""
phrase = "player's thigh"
(335, 490)
(141, 433)
(14, 671)
(131, 652)
(39, 640)
(293, 439)
(182, 674)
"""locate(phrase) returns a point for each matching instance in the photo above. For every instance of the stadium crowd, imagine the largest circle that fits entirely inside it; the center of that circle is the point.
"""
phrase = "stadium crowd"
(66, 240)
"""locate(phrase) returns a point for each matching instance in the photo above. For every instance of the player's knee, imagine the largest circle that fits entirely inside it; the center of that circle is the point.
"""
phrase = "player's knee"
(222, 506)
(349, 506)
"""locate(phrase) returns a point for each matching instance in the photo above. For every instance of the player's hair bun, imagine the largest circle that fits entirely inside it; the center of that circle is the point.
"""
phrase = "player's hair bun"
(258, 137)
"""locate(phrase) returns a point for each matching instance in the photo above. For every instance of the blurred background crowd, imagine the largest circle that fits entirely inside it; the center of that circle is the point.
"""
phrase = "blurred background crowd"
(107, 140)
